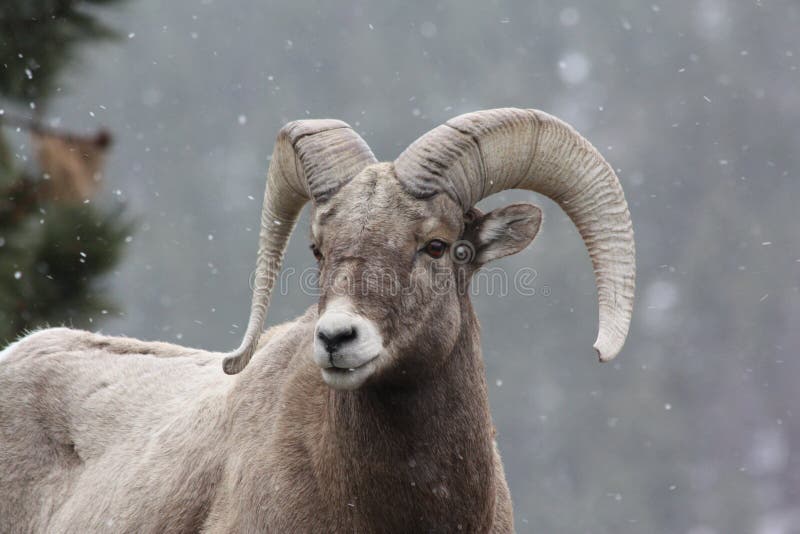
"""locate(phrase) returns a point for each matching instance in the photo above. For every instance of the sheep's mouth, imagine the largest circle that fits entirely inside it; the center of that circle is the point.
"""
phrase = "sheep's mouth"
(342, 370)
(348, 377)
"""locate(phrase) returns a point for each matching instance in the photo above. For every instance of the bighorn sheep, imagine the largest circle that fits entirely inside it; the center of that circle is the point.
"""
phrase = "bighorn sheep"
(369, 413)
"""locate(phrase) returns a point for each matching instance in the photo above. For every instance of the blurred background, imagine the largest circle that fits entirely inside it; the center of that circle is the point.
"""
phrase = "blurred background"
(135, 137)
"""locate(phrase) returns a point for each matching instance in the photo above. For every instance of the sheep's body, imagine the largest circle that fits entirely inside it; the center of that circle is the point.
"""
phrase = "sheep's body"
(101, 433)
(112, 434)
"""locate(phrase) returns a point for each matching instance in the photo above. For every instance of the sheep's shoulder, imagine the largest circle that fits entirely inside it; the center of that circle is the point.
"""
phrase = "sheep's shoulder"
(88, 390)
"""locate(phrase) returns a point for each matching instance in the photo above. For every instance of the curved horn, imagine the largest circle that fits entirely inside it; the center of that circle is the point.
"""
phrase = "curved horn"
(477, 154)
(312, 159)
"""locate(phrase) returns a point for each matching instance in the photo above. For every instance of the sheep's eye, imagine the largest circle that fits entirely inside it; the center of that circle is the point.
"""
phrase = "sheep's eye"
(315, 251)
(435, 248)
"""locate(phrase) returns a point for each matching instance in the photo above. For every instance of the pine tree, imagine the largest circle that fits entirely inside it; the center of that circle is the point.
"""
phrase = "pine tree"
(55, 246)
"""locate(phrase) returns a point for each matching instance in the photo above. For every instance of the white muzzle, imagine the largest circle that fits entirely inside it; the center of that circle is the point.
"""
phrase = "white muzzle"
(346, 346)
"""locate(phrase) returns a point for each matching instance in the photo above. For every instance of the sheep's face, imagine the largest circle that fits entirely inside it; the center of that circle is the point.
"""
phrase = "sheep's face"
(395, 274)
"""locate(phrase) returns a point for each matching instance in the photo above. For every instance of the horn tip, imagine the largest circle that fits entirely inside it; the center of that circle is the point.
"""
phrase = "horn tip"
(606, 348)
(232, 364)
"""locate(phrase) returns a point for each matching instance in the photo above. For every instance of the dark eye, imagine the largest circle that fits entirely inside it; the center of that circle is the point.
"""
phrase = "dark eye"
(435, 248)
(315, 251)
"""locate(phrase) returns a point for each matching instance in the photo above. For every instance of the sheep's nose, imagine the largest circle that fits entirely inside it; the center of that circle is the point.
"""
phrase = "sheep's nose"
(335, 335)
(345, 345)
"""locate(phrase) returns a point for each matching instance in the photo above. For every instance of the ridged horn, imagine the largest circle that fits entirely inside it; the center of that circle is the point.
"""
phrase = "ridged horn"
(311, 160)
(477, 154)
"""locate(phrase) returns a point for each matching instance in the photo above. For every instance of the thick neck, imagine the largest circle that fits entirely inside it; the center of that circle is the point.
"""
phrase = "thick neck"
(425, 447)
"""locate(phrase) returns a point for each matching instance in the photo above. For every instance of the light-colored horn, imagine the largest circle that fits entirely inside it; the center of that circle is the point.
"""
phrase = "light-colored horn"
(312, 159)
(477, 154)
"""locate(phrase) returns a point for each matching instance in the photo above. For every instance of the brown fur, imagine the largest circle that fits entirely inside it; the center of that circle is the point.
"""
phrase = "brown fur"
(112, 434)
(73, 164)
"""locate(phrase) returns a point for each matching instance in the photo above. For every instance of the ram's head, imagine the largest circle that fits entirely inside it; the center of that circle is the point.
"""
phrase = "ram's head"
(397, 242)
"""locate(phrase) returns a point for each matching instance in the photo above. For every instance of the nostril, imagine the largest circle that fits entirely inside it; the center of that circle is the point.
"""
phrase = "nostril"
(333, 340)
(348, 335)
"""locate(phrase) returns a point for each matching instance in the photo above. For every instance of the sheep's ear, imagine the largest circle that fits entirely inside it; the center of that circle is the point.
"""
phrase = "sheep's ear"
(502, 232)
